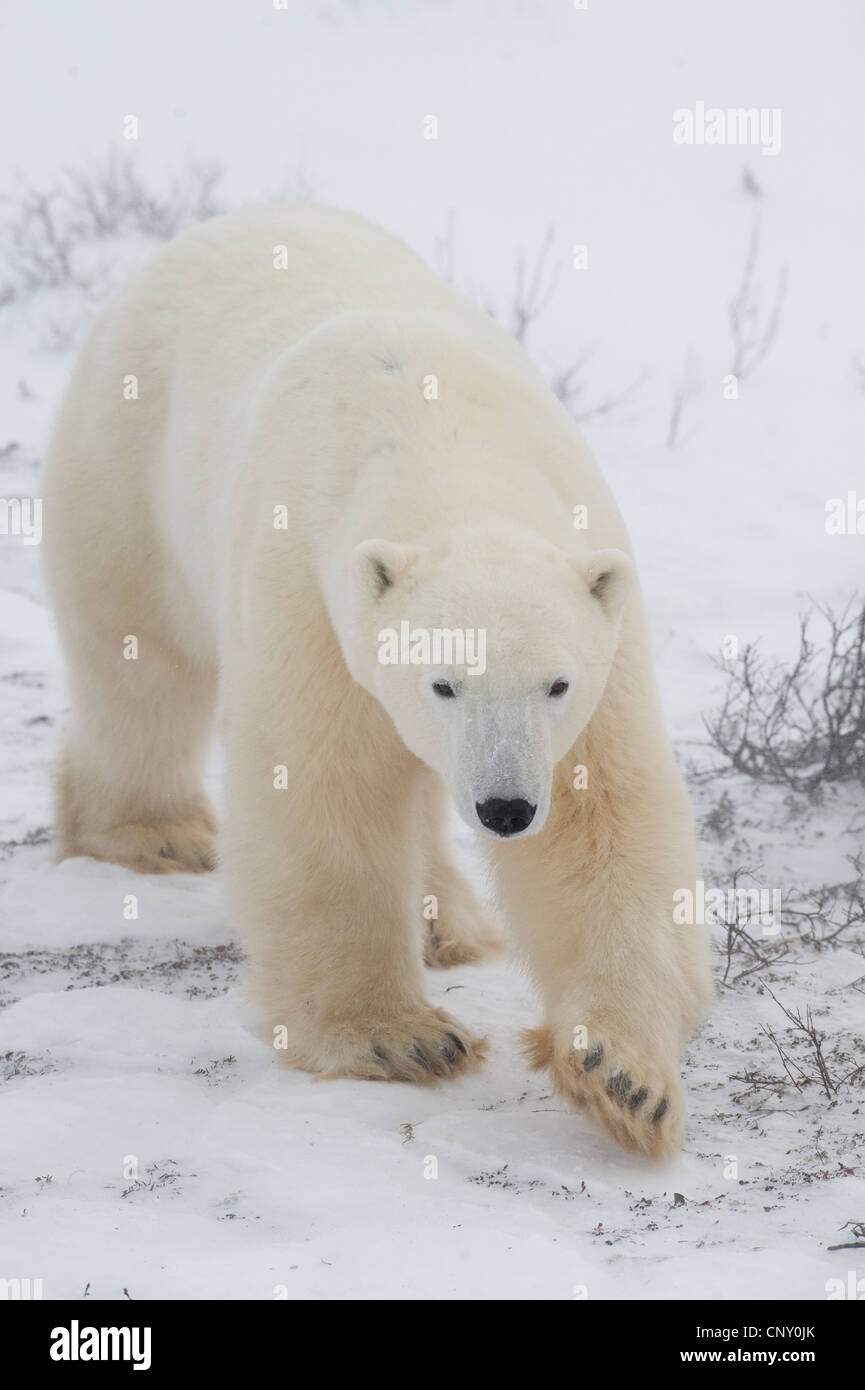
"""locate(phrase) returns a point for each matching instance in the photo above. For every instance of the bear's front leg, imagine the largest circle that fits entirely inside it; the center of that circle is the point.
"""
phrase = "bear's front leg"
(590, 901)
(324, 854)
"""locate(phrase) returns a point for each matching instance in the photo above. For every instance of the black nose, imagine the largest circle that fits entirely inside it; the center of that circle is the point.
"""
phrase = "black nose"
(505, 817)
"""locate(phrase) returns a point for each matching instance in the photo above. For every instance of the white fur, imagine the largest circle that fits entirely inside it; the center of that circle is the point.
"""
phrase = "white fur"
(306, 393)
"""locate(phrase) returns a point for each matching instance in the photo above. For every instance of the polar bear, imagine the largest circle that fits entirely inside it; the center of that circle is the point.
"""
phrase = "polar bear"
(288, 448)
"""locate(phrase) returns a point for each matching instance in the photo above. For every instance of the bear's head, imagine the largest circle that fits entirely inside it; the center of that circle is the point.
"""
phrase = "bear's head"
(489, 658)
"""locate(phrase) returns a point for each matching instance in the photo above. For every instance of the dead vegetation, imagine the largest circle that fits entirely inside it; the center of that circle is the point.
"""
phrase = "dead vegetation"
(158, 1176)
(753, 321)
(686, 391)
(801, 725)
(48, 235)
(15, 1065)
(808, 1057)
(176, 966)
(857, 1229)
(535, 280)
(817, 919)
(813, 1068)
(217, 1070)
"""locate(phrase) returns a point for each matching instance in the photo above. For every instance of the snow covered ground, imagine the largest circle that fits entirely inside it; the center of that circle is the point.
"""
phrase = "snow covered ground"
(147, 1142)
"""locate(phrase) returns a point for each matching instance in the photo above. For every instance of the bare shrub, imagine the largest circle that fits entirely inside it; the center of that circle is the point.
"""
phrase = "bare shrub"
(753, 326)
(799, 725)
(813, 1069)
(48, 235)
(830, 917)
(569, 386)
(857, 1229)
(116, 199)
(534, 286)
(686, 388)
(815, 1063)
(833, 914)
(722, 820)
(739, 948)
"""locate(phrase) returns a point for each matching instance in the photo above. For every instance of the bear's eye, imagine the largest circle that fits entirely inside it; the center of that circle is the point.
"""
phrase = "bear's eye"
(444, 689)
(557, 688)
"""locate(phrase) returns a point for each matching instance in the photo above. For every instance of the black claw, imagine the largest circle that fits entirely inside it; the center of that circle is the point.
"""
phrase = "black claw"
(619, 1086)
(458, 1043)
(594, 1057)
(637, 1098)
(417, 1056)
(380, 1054)
(660, 1111)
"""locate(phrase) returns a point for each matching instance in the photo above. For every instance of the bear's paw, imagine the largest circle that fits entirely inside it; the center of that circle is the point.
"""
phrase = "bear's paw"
(423, 1047)
(465, 936)
(638, 1102)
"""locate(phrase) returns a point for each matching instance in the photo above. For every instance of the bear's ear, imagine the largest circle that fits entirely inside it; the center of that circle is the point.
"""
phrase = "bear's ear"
(377, 565)
(610, 575)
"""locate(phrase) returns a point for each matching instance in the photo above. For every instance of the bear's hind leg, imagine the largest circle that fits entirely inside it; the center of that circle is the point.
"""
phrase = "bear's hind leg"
(458, 929)
(129, 784)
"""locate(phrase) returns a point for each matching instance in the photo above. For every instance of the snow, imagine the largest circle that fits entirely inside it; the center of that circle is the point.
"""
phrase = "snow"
(147, 1142)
